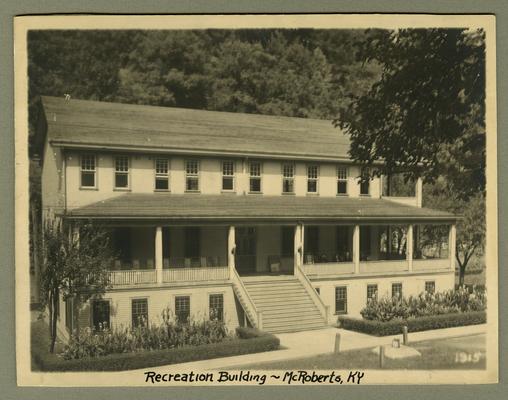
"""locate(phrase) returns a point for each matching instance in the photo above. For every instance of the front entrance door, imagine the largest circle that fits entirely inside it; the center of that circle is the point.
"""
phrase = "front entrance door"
(245, 255)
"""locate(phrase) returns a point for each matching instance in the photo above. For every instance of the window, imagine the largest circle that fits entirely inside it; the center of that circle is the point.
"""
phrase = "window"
(288, 241)
(88, 171)
(371, 292)
(192, 176)
(100, 315)
(255, 177)
(312, 178)
(139, 312)
(121, 172)
(397, 290)
(341, 300)
(228, 175)
(161, 174)
(182, 309)
(365, 184)
(430, 287)
(217, 307)
(288, 178)
(342, 176)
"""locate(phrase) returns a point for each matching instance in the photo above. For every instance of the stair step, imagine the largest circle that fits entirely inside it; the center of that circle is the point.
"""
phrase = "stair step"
(296, 312)
(289, 324)
(287, 307)
(295, 329)
(293, 319)
(282, 299)
(276, 290)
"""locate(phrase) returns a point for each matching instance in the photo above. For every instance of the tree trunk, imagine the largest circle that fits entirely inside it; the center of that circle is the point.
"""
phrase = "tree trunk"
(54, 321)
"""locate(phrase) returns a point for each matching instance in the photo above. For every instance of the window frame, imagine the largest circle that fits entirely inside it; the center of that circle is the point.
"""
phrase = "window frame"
(193, 176)
(401, 289)
(210, 308)
(94, 171)
(344, 311)
(290, 179)
(433, 283)
(180, 297)
(313, 179)
(256, 177)
(137, 299)
(123, 173)
(161, 175)
(376, 293)
(229, 176)
(342, 179)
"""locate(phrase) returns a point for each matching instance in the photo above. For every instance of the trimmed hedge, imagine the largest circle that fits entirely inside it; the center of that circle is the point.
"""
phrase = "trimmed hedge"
(394, 327)
(256, 342)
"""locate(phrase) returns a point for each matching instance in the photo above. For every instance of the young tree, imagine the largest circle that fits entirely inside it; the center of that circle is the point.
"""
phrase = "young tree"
(74, 265)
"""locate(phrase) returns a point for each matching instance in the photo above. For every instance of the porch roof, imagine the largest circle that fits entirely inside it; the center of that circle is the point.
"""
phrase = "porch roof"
(215, 208)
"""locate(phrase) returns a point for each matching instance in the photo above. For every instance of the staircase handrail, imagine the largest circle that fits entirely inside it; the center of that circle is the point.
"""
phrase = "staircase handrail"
(318, 301)
(250, 303)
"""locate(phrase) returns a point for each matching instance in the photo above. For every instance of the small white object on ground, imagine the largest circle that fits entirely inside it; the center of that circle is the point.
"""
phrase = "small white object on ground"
(398, 353)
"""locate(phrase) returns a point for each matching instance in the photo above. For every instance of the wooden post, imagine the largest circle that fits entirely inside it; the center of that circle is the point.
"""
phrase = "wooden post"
(336, 348)
(296, 253)
(381, 356)
(404, 335)
(356, 248)
(409, 248)
(452, 244)
(419, 192)
(158, 253)
(231, 249)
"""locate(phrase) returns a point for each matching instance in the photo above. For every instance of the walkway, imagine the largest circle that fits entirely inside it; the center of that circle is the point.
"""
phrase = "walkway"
(312, 343)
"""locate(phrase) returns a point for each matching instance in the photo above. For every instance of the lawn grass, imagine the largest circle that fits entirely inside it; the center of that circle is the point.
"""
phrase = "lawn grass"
(450, 353)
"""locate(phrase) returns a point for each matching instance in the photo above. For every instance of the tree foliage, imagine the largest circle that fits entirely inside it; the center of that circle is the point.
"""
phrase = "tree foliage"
(425, 116)
(73, 266)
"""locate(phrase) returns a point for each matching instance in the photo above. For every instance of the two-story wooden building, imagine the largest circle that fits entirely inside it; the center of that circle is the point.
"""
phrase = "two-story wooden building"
(257, 219)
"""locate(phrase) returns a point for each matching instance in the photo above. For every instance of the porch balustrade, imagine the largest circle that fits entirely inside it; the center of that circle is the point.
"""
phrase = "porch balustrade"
(329, 268)
(172, 275)
(132, 277)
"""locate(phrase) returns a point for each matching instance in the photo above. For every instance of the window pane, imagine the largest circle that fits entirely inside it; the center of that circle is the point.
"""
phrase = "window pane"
(364, 188)
(161, 184)
(139, 312)
(287, 186)
(216, 307)
(121, 180)
(341, 300)
(182, 309)
(227, 183)
(371, 292)
(161, 166)
(288, 170)
(341, 187)
(227, 168)
(192, 184)
(88, 163)
(311, 186)
(342, 173)
(255, 169)
(192, 167)
(122, 164)
(88, 179)
(312, 171)
(255, 184)
(397, 290)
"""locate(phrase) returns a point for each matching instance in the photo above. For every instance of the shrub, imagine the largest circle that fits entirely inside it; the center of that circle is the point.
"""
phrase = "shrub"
(394, 326)
(425, 304)
(258, 342)
(170, 334)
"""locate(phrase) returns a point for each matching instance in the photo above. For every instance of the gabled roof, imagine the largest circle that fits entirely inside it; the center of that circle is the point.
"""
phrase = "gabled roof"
(94, 124)
(198, 207)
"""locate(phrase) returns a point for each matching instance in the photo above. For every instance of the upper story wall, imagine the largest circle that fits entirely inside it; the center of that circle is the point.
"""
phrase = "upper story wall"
(141, 176)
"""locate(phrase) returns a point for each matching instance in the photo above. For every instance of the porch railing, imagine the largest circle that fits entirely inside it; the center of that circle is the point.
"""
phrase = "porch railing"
(332, 268)
(171, 275)
(194, 262)
(133, 277)
(431, 264)
(381, 266)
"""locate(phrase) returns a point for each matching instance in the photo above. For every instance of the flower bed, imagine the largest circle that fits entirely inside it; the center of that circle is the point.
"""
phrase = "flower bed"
(394, 326)
(246, 341)
(426, 304)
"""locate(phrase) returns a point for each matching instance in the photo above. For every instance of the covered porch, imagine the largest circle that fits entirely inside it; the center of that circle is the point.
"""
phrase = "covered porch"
(169, 239)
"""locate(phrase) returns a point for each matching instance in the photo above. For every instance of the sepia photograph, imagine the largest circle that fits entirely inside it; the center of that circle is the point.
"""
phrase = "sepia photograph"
(256, 200)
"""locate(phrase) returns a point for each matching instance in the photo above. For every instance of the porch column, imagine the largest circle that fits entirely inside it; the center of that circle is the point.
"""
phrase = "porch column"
(297, 245)
(356, 248)
(452, 243)
(419, 192)
(409, 247)
(231, 249)
(158, 253)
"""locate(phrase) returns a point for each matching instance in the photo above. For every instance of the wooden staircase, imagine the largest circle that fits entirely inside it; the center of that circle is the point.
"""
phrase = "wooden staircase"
(284, 303)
